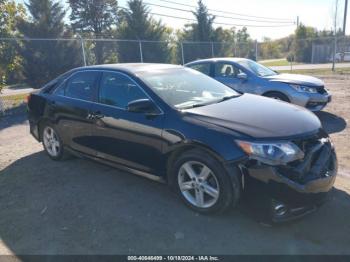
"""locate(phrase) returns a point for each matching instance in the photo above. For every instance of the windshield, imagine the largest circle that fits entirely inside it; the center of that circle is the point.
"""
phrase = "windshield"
(186, 88)
(256, 68)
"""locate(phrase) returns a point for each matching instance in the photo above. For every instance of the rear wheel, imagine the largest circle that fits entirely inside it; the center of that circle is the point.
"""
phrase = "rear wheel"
(277, 96)
(203, 183)
(52, 143)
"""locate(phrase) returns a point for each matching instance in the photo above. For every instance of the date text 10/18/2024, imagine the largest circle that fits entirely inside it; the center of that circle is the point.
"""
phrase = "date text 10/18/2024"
(173, 258)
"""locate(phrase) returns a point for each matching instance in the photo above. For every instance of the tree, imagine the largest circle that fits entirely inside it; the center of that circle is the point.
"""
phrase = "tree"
(270, 49)
(96, 18)
(200, 31)
(225, 41)
(303, 44)
(10, 66)
(245, 46)
(137, 24)
(45, 59)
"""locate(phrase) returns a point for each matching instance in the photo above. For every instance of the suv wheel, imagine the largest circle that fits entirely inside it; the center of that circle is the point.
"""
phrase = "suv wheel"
(203, 184)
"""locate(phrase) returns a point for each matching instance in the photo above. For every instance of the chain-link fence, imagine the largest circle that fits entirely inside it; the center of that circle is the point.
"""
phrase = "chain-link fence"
(97, 51)
(36, 61)
(309, 51)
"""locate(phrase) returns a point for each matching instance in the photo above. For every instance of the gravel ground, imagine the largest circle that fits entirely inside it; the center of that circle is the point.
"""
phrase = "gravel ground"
(81, 207)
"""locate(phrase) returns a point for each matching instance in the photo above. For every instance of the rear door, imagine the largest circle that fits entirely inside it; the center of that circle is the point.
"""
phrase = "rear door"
(127, 138)
(71, 109)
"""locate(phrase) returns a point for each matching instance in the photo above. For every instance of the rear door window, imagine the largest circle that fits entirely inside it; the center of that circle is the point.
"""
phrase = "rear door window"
(80, 86)
(203, 68)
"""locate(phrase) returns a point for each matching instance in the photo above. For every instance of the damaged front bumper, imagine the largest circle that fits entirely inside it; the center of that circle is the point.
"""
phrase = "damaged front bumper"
(299, 187)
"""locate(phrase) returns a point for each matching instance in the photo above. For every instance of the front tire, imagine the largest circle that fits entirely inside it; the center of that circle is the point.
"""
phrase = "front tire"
(278, 96)
(203, 183)
(52, 143)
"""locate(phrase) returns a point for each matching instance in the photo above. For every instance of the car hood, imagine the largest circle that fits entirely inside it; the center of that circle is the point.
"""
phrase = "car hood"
(296, 79)
(258, 117)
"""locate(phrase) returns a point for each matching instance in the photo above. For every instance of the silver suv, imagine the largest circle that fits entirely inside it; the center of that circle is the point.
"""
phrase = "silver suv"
(247, 76)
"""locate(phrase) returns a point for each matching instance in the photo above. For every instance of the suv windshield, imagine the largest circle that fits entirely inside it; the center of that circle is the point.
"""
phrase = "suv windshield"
(256, 68)
(186, 88)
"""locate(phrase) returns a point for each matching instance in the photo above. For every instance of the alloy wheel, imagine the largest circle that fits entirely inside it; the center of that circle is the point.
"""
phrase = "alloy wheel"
(51, 142)
(198, 184)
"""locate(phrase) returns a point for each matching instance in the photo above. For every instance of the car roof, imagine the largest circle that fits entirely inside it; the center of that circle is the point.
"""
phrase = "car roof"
(133, 68)
(219, 59)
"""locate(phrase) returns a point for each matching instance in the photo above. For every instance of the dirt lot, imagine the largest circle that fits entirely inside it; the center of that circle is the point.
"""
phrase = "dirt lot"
(335, 118)
(81, 207)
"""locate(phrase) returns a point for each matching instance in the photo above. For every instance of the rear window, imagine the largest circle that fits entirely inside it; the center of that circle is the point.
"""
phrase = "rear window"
(80, 85)
(203, 68)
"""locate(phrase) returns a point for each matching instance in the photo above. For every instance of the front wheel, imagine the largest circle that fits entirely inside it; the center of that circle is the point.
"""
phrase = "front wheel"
(277, 96)
(203, 183)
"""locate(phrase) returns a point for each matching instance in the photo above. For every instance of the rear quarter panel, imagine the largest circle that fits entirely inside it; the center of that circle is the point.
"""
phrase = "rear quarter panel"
(36, 110)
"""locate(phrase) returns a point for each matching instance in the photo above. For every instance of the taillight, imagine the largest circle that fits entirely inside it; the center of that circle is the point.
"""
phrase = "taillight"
(28, 98)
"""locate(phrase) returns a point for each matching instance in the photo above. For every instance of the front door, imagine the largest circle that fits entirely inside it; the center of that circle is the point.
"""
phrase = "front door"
(130, 139)
(227, 74)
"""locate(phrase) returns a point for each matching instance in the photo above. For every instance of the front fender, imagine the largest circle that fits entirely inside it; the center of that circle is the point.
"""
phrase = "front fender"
(218, 140)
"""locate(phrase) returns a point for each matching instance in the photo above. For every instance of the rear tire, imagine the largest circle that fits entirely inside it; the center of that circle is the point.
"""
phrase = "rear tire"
(52, 143)
(203, 183)
(277, 96)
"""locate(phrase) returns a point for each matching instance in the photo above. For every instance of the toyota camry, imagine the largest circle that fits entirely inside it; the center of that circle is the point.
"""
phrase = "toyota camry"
(176, 125)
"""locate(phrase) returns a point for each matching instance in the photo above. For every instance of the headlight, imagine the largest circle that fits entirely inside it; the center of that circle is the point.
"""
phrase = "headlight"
(306, 89)
(271, 153)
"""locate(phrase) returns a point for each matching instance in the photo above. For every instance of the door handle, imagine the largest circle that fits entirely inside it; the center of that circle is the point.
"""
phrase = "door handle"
(51, 102)
(95, 115)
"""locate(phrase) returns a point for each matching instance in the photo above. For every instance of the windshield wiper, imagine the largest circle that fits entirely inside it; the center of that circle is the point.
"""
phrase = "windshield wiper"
(197, 105)
(228, 97)
(211, 102)
(200, 104)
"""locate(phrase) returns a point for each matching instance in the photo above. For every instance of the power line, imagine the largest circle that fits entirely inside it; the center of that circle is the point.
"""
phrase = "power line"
(226, 12)
(218, 23)
(221, 16)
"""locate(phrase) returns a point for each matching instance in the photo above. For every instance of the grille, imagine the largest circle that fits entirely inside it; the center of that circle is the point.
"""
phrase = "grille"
(316, 163)
(311, 105)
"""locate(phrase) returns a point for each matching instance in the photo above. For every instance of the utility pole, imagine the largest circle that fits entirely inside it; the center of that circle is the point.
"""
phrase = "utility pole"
(335, 34)
(345, 15)
(141, 54)
(82, 48)
(297, 21)
(182, 53)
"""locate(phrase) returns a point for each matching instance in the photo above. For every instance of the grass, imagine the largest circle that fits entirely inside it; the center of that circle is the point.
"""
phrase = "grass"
(15, 86)
(323, 71)
(277, 62)
(14, 100)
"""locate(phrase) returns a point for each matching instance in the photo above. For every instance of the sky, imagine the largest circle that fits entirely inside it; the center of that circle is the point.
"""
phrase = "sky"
(315, 13)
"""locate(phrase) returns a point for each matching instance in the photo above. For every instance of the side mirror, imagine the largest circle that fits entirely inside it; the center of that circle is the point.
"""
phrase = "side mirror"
(242, 76)
(145, 106)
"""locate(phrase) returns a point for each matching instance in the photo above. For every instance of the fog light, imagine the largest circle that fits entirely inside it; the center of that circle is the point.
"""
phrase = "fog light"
(280, 209)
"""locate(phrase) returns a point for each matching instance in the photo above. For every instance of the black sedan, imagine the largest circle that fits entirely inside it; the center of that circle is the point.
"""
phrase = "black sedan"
(174, 124)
